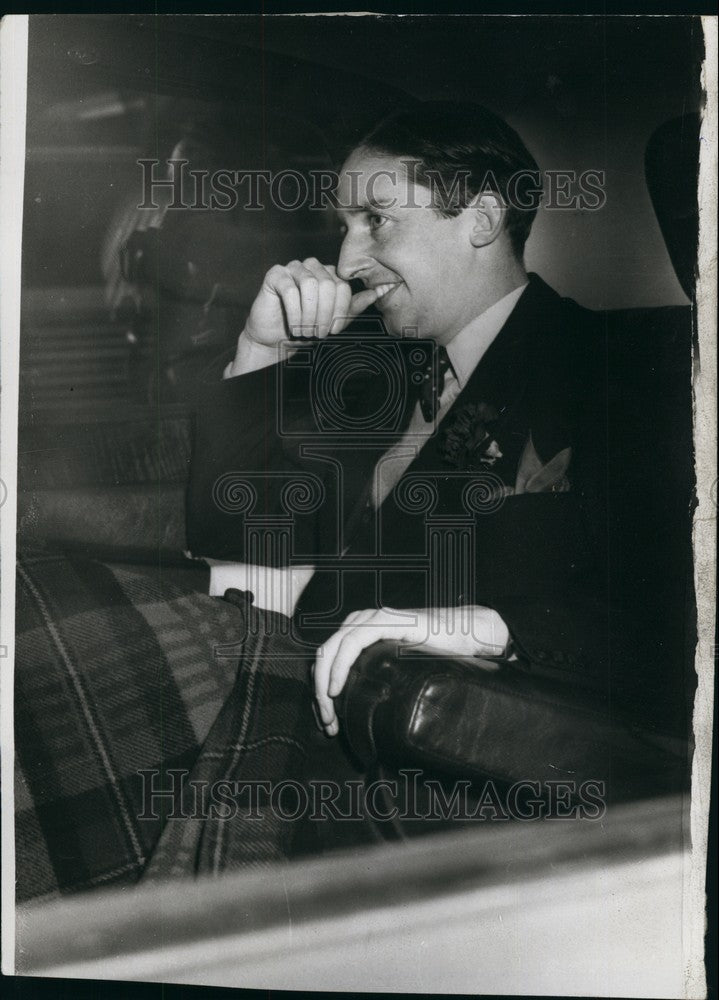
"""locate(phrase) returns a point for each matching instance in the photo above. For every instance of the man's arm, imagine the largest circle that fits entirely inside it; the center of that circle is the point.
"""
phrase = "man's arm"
(239, 443)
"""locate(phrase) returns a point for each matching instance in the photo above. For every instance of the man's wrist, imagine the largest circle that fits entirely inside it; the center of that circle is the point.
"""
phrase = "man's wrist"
(251, 356)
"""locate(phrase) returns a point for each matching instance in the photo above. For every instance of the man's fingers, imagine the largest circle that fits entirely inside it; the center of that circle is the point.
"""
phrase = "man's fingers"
(359, 630)
(357, 638)
(326, 708)
(338, 655)
(327, 293)
(285, 288)
(334, 311)
(342, 312)
(321, 676)
(316, 302)
(320, 679)
(291, 303)
(309, 297)
(323, 667)
(350, 648)
(306, 299)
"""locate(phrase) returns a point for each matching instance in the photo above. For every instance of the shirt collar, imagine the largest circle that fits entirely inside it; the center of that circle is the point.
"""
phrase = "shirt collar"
(470, 344)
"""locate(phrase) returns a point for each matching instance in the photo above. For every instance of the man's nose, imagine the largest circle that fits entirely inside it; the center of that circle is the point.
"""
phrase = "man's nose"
(354, 257)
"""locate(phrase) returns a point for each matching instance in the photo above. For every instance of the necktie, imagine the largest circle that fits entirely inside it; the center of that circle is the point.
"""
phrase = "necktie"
(432, 384)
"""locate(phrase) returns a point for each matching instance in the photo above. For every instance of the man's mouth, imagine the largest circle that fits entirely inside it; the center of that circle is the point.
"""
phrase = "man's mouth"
(394, 285)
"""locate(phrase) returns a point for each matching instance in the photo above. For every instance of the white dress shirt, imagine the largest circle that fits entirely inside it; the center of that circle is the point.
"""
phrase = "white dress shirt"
(279, 589)
(465, 352)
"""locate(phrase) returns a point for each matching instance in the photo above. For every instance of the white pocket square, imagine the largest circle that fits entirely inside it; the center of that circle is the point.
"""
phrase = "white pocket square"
(534, 476)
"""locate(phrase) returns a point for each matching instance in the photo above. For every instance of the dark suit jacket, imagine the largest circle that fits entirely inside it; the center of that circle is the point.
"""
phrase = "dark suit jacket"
(593, 582)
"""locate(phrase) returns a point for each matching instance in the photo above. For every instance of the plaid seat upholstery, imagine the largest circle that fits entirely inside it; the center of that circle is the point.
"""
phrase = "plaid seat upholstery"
(263, 733)
(115, 674)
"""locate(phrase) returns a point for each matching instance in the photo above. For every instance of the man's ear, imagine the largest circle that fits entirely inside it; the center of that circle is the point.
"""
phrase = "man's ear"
(487, 219)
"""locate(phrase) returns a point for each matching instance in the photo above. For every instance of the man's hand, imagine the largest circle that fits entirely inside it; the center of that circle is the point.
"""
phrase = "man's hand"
(305, 299)
(466, 631)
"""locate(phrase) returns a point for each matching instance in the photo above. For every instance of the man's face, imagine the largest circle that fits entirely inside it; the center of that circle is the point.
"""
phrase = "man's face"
(393, 234)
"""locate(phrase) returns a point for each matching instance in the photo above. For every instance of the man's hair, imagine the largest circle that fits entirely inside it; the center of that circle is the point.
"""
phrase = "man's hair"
(462, 150)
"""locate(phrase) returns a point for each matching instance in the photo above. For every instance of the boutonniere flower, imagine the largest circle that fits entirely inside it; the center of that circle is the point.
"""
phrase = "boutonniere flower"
(468, 442)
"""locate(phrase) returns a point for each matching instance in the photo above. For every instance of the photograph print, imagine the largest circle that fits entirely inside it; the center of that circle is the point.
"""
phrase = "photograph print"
(363, 516)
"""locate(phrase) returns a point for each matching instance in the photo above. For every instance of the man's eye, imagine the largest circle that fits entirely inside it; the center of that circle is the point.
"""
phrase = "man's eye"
(342, 230)
(375, 221)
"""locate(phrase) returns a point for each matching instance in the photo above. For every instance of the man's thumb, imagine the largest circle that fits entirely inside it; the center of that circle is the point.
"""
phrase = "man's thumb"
(364, 299)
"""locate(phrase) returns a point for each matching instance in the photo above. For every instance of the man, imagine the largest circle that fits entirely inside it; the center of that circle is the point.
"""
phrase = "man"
(527, 371)
(504, 499)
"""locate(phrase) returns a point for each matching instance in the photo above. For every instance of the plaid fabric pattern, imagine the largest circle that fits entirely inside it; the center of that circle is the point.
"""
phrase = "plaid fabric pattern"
(262, 734)
(115, 673)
